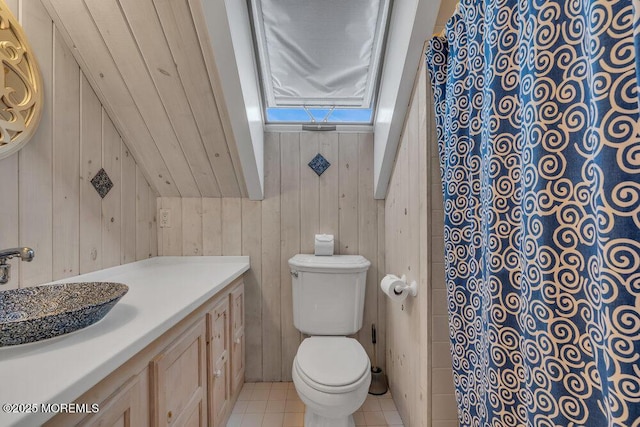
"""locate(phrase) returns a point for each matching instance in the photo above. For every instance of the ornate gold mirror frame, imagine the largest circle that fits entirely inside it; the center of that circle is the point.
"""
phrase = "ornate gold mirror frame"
(21, 92)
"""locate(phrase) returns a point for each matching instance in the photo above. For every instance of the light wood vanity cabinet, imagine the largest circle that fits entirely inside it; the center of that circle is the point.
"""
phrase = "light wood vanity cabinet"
(190, 376)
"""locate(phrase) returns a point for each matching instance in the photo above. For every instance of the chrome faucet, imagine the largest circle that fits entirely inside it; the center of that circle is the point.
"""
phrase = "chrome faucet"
(25, 254)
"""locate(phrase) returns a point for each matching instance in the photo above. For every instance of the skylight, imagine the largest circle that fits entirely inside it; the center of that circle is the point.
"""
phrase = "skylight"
(319, 59)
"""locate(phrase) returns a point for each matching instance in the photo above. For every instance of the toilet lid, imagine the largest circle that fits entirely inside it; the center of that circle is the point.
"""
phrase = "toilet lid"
(332, 361)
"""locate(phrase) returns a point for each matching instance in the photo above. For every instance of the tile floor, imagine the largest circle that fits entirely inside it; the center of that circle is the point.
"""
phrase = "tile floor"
(278, 405)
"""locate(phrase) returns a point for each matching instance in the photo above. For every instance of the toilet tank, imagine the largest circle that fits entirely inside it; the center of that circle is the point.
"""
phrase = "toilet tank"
(328, 293)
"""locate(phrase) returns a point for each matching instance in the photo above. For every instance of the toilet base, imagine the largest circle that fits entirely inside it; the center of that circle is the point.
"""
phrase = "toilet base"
(312, 419)
(327, 406)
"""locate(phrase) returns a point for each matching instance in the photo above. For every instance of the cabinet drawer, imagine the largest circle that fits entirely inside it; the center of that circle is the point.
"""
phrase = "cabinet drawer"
(237, 363)
(237, 308)
(218, 326)
(218, 360)
(220, 398)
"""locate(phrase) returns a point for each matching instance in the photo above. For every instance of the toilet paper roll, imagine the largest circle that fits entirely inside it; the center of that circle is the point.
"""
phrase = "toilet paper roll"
(388, 286)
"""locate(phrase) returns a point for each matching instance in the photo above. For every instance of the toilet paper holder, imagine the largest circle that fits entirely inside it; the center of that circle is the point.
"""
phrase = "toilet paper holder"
(411, 287)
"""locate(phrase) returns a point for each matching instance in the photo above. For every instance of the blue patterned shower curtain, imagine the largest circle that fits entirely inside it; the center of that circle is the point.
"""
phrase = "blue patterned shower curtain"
(539, 135)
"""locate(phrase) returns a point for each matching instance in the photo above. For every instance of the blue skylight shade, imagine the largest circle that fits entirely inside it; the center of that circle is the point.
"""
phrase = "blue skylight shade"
(320, 115)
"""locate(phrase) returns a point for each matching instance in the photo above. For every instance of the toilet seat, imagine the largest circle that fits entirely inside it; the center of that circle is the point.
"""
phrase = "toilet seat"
(332, 364)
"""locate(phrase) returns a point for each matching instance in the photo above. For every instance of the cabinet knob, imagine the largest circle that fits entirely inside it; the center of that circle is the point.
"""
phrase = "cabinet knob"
(169, 415)
(217, 373)
(237, 341)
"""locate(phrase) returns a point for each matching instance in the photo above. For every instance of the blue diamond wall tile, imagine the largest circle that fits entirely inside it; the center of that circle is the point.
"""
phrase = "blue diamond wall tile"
(102, 183)
(319, 164)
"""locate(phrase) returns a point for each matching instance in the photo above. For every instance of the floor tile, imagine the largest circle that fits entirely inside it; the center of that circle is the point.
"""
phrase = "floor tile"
(275, 406)
(371, 405)
(256, 406)
(292, 395)
(387, 405)
(358, 417)
(374, 418)
(245, 393)
(234, 420)
(293, 419)
(278, 405)
(392, 417)
(240, 407)
(273, 420)
(260, 394)
(294, 406)
(444, 407)
(277, 394)
(251, 420)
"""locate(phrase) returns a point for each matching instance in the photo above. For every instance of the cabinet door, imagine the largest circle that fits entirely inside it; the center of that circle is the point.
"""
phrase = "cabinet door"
(124, 402)
(237, 334)
(218, 361)
(125, 407)
(179, 380)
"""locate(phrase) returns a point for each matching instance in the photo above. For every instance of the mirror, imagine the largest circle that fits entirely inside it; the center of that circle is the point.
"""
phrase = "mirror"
(21, 92)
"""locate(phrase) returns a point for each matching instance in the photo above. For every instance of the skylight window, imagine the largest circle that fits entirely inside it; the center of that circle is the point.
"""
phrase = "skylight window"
(319, 59)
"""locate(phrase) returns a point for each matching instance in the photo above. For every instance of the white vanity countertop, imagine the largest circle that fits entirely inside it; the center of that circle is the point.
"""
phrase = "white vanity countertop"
(162, 291)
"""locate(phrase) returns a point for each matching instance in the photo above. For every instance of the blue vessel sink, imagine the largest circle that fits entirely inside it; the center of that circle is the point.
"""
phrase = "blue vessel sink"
(42, 312)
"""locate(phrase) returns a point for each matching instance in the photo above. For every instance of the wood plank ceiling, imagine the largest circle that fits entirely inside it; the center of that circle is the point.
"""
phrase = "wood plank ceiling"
(145, 60)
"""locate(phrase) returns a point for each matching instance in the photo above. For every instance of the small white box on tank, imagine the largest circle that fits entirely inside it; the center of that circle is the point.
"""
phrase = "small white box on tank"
(324, 245)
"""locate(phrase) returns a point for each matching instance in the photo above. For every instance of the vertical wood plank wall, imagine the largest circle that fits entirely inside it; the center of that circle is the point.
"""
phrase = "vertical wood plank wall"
(46, 199)
(418, 359)
(297, 205)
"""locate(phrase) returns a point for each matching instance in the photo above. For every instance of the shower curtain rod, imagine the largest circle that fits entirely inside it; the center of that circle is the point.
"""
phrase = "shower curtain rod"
(441, 33)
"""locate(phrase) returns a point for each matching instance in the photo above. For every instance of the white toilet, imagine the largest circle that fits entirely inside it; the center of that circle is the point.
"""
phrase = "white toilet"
(331, 372)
